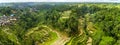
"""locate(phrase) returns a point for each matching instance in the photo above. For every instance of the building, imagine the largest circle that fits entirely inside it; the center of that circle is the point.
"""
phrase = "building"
(5, 20)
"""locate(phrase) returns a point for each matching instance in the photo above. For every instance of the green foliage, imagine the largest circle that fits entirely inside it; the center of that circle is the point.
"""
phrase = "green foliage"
(35, 24)
(106, 41)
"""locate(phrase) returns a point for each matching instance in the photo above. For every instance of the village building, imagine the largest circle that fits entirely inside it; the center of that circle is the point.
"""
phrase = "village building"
(5, 20)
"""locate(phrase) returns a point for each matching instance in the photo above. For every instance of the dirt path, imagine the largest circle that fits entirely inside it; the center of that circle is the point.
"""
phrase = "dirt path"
(89, 42)
(62, 39)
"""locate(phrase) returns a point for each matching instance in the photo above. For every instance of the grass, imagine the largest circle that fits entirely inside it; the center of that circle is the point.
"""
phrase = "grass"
(53, 38)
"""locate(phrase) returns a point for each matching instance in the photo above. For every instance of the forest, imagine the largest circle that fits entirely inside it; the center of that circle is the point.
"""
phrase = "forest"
(60, 24)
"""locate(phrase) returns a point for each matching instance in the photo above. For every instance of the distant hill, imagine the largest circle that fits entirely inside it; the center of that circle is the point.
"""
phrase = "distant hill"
(23, 4)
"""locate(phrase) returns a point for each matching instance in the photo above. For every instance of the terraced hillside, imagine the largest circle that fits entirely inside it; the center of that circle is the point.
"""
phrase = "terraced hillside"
(60, 24)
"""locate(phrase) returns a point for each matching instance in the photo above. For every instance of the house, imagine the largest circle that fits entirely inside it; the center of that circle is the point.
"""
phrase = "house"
(5, 20)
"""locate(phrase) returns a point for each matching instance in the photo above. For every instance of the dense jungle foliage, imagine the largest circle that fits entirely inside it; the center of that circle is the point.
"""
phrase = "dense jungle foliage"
(61, 24)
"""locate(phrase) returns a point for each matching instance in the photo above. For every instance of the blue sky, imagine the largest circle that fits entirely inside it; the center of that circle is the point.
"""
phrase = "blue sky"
(1, 1)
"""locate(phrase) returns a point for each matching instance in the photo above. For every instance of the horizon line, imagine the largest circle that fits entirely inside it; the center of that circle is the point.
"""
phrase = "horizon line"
(61, 2)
